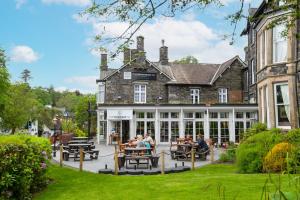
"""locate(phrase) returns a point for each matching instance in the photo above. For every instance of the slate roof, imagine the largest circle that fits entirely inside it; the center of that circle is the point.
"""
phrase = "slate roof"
(189, 74)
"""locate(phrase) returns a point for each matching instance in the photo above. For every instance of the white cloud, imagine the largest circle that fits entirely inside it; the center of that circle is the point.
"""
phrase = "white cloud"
(69, 2)
(185, 36)
(86, 81)
(20, 3)
(22, 53)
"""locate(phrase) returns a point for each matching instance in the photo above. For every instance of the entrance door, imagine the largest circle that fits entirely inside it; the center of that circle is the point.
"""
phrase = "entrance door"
(125, 131)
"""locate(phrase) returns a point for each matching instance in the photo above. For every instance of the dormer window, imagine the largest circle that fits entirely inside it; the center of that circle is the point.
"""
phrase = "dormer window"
(139, 93)
(195, 95)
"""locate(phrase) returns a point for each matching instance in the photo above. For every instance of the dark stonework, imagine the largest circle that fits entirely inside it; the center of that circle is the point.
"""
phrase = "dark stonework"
(278, 70)
(121, 91)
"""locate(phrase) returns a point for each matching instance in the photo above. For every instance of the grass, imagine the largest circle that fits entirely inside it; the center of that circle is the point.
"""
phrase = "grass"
(204, 183)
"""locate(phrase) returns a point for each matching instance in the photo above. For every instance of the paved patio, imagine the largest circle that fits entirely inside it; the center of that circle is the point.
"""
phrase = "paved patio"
(106, 158)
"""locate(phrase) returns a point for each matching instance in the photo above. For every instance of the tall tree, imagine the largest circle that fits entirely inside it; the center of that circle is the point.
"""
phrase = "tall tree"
(26, 75)
(4, 81)
(187, 60)
(135, 13)
(20, 107)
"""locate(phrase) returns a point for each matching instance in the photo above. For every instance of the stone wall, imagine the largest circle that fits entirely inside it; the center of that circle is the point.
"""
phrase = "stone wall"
(121, 91)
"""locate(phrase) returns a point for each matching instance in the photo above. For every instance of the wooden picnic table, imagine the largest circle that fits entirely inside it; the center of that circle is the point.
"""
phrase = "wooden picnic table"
(78, 141)
(80, 138)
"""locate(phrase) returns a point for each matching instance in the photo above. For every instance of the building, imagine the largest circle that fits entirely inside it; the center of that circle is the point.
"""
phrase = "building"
(273, 66)
(170, 100)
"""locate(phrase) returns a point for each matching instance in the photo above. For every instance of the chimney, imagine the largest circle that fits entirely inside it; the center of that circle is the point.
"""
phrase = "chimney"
(126, 56)
(140, 43)
(163, 54)
(103, 66)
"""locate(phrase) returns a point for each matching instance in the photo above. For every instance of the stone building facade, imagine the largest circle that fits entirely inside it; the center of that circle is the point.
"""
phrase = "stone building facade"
(273, 66)
(171, 100)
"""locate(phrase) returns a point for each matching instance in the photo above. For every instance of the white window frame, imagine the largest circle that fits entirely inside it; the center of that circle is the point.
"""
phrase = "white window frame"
(139, 93)
(195, 94)
(223, 95)
(101, 93)
(280, 104)
(276, 34)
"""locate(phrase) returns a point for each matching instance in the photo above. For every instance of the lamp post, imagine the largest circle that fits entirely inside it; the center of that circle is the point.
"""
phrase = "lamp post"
(66, 115)
(54, 136)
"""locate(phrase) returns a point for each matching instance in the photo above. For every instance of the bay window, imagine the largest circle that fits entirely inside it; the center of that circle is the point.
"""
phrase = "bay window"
(279, 44)
(282, 105)
(139, 93)
(101, 93)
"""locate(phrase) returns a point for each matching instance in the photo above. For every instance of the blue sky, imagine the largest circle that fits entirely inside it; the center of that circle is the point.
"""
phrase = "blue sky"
(48, 38)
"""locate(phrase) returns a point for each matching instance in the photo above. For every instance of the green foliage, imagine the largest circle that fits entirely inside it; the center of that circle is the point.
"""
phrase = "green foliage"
(229, 155)
(4, 82)
(42, 95)
(23, 164)
(187, 60)
(251, 152)
(68, 100)
(79, 133)
(81, 114)
(256, 128)
(25, 76)
(20, 107)
(68, 126)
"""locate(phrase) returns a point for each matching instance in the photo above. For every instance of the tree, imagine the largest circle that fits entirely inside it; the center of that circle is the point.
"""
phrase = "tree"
(81, 114)
(187, 60)
(69, 100)
(4, 81)
(137, 12)
(25, 75)
(20, 107)
(42, 95)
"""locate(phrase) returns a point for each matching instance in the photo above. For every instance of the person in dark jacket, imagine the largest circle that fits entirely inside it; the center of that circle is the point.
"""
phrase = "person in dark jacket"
(202, 144)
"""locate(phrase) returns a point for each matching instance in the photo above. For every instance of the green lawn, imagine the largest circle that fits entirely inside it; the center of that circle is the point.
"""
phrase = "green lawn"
(202, 183)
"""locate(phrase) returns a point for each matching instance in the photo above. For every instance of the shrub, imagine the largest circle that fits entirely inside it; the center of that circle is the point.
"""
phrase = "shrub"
(79, 133)
(256, 128)
(23, 165)
(276, 158)
(229, 155)
(251, 152)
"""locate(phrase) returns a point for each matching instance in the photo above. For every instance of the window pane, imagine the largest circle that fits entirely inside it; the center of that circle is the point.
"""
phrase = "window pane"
(199, 128)
(140, 128)
(213, 115)
(248, 115)
(164, 115)
(188, 128)
(239, 115)
(140, 115)
(199, 115)
(213, 131)
(151, 129)
(174, 115)
(224, 114)
(164, 131)
(239, 128)
(224, 132)
(174, 131)
(150, 115)
(188, 115)
(283, 115)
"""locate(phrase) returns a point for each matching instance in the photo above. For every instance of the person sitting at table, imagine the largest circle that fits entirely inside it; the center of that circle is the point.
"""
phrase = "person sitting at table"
(139, 141)
(188, 139)
(148, 138)
(201, 143)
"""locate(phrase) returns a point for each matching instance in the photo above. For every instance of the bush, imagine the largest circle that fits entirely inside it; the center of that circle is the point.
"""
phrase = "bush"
(256, 128)
(229, 155)
(80, 133)
(251, 152)
(23, 165)
(276, 159)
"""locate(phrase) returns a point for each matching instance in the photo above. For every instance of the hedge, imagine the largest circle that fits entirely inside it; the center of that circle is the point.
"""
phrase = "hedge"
(23, 165)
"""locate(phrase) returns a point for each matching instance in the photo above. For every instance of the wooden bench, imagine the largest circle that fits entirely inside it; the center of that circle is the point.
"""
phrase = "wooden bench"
(137, 160)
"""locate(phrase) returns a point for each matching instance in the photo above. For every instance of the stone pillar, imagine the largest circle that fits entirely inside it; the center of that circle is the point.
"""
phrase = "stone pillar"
(293, 102)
